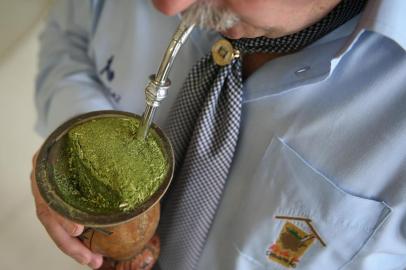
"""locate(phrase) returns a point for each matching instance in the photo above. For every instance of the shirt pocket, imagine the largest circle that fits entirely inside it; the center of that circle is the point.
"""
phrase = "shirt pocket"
(285, 185)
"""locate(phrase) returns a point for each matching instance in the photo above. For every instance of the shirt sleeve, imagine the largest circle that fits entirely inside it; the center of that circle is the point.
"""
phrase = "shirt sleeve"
(67, 82)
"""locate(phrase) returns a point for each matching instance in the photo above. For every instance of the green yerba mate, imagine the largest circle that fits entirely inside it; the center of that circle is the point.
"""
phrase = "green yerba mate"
(104, 168)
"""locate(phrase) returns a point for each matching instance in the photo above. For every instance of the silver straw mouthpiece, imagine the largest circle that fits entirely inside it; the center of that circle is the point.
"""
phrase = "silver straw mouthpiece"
(157, 88)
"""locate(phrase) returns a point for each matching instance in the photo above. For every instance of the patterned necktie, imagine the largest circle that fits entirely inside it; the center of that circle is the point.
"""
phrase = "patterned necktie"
(203, 127)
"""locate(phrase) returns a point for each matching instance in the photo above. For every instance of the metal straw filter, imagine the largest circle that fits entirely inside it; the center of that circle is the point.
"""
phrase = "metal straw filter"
(157, 88)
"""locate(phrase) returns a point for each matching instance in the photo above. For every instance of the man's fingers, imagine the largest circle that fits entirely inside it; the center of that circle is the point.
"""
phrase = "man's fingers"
(73, 229)
(35, 192)
(65, 242)
(43, 211)
(63, 231)
(72, 246)
(34, 159)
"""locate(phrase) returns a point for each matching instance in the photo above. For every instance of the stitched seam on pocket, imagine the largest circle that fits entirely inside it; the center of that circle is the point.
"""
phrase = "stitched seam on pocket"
(302, 212)
(383, 220)
(338, 189)
(246, 256)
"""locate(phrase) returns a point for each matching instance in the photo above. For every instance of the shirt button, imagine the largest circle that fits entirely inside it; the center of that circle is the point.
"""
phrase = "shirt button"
(302, 70)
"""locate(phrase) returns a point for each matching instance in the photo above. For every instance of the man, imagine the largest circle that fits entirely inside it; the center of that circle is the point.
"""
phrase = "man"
(317, 179)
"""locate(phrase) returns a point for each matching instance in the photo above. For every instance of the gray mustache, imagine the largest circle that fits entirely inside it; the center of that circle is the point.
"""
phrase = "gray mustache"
(206, 16)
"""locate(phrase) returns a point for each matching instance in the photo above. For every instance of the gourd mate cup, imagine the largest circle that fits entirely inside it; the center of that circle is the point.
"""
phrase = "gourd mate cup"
(119, 235)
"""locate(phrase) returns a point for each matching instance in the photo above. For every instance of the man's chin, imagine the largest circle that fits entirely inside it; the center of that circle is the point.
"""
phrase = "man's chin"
(236, 33)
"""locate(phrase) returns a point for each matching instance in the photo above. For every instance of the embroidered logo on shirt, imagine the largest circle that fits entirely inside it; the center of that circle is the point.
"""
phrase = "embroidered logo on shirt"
(290, 246)
(110, 74)
(107, 69)
(292, 243)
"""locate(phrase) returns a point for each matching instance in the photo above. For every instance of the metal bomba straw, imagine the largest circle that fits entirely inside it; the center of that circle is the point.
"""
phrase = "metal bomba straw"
(157, 88)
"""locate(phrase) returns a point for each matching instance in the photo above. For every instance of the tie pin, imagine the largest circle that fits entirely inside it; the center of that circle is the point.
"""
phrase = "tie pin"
(223, 52)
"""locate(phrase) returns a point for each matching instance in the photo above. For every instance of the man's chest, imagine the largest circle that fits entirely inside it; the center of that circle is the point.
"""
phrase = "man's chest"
(330, 151)
(326, 150)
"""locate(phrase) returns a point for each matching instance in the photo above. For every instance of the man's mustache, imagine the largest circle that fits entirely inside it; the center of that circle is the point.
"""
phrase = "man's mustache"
(207, 16)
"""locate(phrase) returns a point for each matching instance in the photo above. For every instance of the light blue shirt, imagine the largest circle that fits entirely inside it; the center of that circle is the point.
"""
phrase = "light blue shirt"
(323, 132)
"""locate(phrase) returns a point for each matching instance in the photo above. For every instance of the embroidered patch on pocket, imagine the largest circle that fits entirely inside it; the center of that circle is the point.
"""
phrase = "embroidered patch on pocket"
(291, 245)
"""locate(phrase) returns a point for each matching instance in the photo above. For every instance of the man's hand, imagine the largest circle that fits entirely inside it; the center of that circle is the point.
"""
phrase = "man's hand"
(62, 231)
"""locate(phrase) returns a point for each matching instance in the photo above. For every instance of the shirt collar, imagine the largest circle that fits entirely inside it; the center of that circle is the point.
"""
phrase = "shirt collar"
(318, 61)
(386, 17)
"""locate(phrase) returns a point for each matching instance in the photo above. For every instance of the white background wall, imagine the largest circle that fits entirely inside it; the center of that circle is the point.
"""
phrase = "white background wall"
(24, 243)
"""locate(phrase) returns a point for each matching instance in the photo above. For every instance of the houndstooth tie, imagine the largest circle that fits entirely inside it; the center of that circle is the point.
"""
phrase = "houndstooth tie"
(204, 127)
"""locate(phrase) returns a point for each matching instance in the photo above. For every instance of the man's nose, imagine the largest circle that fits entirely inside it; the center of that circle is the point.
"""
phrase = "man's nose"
(172, 7)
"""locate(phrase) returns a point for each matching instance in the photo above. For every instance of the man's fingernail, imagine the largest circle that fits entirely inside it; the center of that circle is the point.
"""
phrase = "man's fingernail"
(72, 229)
(77, 230)
(82, 259)
(96, 262)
